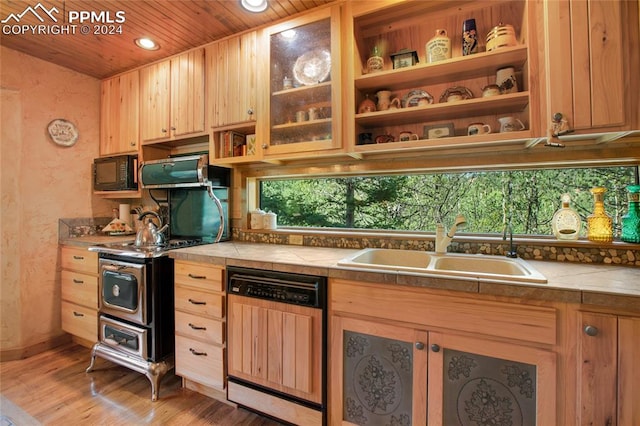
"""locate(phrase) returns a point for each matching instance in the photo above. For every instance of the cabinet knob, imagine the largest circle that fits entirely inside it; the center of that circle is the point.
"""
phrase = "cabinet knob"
(590, 330)
(163, 130)
(419, 346)
(250, 111)
(435, 348)
(132, 143)
(265, 146)
(173, 128)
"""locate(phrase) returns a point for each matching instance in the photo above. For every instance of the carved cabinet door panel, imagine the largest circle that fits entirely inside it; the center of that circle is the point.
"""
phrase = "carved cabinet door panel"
(382, 370)
(477, 381)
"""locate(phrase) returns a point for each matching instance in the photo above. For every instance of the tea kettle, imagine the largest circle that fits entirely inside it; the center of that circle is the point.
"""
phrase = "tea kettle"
(149, 234)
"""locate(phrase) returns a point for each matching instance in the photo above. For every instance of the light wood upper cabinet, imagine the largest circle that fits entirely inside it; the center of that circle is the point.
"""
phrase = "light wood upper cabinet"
(231, 77)
(390, 27)
(592, 64)
(119, 118)
(188, 93)
(305, 117)
(173, 97)
(232, 98)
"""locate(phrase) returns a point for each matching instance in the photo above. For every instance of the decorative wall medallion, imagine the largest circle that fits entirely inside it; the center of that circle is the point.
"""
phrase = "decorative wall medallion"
(63, 132)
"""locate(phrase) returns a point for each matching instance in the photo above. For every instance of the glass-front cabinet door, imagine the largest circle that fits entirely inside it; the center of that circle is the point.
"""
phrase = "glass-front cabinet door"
(304, 85)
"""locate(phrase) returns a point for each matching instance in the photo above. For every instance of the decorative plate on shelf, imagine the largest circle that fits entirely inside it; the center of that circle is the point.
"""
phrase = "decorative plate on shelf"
(413, 98)
(312, 67)
(62, 132)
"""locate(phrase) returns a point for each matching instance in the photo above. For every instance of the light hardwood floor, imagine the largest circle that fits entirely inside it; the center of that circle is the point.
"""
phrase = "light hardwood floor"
(53, 388)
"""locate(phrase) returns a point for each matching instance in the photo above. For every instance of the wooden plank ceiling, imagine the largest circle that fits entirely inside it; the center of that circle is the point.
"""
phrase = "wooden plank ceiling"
(177, 25)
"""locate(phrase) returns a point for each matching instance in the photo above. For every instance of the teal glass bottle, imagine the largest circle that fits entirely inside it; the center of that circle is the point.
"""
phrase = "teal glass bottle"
(631, 220)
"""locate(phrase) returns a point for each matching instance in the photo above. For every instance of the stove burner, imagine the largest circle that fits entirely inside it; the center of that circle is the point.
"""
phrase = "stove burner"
(131, 250)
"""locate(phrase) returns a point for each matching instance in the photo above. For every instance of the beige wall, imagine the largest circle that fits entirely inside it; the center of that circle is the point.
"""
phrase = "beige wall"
(40, 182)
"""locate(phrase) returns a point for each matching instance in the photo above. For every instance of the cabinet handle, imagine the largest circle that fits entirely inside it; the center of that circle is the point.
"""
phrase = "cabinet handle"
(419, 346)
(196, 353)
(196, 327)
(195, 302)
(77, 314)
(77, 281)
(78, 257)
(590, 330)
(435, 348)
(198, 277)
(250, 111)
(163, 130)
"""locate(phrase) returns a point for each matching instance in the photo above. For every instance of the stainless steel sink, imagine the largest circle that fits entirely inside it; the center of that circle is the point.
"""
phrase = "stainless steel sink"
(451, 264)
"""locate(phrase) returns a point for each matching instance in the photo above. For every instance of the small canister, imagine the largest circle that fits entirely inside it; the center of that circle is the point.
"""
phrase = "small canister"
(257, 220)
(270, 221)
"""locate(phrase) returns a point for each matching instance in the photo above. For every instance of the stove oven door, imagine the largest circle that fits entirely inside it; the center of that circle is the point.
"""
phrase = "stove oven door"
(122, 290)
(126, 337)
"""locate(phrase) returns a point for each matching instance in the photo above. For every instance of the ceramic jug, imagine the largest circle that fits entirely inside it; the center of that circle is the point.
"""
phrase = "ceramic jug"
(510, 124)
(385, 102)
(439, 47)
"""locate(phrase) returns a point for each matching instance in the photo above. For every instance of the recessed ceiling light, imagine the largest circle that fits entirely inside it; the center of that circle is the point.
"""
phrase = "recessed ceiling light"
(254, 5)
(147, 43)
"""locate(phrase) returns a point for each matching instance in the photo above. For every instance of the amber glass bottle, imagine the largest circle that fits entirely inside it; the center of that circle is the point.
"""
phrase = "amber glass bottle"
(599, 223)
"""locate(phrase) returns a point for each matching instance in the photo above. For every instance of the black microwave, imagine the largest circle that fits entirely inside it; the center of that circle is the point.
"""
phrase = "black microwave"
(118, 173)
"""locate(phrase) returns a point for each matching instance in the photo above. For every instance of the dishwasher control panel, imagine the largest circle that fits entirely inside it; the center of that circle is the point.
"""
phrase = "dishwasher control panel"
(305, 290)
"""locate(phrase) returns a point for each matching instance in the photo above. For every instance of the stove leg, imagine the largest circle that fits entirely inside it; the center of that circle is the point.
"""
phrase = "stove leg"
(93, 358)
(155, 373)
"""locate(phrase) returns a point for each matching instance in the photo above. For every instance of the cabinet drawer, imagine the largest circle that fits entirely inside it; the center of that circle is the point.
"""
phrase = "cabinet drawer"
(79, 259)
(199, 302)
(80, 321)
(203, 329)
(201, 362)
(199, 275)
(80, 288)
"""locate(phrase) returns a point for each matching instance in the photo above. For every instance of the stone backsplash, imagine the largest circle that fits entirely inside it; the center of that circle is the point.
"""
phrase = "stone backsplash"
(580, 251)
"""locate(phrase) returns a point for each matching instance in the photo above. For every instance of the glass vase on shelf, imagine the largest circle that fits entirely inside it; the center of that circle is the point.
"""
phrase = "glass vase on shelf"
(631, 220)
(599, 223)
(566, 222)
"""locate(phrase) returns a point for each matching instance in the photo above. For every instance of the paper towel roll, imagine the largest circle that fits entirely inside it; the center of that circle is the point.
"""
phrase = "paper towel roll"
(125, 213)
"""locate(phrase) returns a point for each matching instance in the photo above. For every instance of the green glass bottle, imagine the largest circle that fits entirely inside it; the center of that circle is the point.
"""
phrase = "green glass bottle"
(631, 220)
(599, 223)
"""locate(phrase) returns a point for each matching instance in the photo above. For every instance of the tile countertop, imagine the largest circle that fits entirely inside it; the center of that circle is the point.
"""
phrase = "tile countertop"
(603, 285)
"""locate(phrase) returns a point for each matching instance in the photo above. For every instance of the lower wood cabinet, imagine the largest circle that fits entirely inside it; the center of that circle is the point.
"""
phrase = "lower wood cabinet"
(427, 358)
(274, 345)
(608, 370)
(200, 352)
(79, 288)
